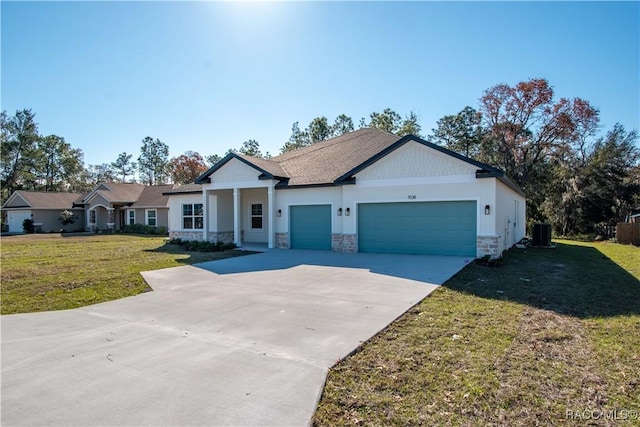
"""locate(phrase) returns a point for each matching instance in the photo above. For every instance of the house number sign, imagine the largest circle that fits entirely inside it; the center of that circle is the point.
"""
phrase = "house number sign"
(412, 196)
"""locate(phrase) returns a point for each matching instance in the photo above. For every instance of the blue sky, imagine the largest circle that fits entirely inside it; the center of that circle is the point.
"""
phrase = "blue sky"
(206, 76)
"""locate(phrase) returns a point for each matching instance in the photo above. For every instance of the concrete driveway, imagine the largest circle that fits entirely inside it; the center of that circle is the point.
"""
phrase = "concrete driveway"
(242, 341)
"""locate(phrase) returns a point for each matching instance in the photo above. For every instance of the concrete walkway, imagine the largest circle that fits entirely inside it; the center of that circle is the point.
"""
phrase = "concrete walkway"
(243, 341)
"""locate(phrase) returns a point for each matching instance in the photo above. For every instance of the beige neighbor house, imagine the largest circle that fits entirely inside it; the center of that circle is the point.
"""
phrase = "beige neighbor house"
(364, 191)
(108, 207)
(111, 206)
(44, 209)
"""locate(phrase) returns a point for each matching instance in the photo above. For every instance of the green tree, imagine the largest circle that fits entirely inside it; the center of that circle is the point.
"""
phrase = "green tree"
(96, 174)
(341, 125)
(298, 139)
(18, 139)
(410, 126)
(388, 121)
(212, 159)
(610, 188)
(153, 163)
(462, 132)
(319, 130)
(58, 164)
(251, 148)
(124, 167)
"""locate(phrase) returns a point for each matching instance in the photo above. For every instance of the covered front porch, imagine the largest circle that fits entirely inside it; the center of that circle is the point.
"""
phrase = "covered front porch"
(242, 215)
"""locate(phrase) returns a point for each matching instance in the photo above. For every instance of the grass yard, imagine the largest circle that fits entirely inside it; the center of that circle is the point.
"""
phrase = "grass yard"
(551, 337)
(52, 272)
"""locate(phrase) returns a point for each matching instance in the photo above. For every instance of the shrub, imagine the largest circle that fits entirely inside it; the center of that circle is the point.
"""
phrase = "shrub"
(67, 217)
(27, 226)
(201, 245)
(144, 229)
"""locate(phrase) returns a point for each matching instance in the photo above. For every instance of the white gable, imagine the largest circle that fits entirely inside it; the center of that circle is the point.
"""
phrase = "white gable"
(235, 171)
(16, 200)
(415, 160)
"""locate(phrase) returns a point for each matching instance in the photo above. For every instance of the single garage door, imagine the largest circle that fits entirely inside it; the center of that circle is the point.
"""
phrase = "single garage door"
(431, 228)
(15, 219)
(310, 227)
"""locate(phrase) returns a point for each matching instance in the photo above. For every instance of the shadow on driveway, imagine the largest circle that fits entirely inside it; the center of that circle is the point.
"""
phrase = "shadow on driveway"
(429, 269)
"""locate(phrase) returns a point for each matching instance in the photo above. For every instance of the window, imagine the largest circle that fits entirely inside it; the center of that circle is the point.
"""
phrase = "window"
(92, 217)
(132, 217)
(256, 216)
(192, 216)
(151, 218)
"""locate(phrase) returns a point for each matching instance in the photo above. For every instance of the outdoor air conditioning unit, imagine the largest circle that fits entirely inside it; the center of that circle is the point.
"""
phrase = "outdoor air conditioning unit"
(541, 234)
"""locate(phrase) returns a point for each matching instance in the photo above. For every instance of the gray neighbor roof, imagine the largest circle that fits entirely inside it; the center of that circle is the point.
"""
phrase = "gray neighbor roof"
(138, 195)
(117, 192)
(336, 160)
(44, 200)
(153, 197)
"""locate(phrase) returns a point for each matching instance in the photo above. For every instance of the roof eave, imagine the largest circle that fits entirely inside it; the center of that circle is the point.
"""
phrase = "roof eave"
(174, 193)
(284, 186)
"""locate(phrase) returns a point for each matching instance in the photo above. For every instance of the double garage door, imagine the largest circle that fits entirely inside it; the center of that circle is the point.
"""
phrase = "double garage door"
(431, 228)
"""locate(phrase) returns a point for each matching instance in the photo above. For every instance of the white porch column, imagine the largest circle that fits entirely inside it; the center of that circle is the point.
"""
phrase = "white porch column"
(205, 216)
(236, 217)
(271, 210)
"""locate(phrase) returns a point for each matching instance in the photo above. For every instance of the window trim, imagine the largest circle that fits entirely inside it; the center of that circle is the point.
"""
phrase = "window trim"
(93, 217)
(193, 215)
(146, 217)
(251, 216)
(129, 212)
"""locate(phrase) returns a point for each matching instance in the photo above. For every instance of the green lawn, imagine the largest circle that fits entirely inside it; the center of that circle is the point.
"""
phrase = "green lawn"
(53, 272)
(546, 336)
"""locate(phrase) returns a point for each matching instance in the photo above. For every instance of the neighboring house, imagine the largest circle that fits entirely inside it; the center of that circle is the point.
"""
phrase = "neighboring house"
(44, 209)
(364, 191)
(113, 205)
(107, 207)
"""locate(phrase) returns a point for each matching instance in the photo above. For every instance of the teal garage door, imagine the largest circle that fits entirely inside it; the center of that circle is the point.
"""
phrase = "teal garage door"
(430, 228)
(310, 227)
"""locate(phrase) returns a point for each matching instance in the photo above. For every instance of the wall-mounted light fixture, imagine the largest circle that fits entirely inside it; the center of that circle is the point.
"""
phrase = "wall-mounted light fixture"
(487, 209)
(347, 212)
(279, 212)
(339, 211)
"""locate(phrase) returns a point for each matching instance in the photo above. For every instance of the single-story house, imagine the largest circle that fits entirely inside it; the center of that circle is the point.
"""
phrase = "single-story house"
(364, 191)
(113, 205)
(44, 209)
(109, 206)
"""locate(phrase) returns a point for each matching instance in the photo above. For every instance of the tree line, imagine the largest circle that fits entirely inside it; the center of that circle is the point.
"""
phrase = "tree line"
(574, 175)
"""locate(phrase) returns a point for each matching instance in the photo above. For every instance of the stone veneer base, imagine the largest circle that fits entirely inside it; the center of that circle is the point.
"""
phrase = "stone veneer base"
(487, 245)
(282, 240)
(186, 235)
(347, 243)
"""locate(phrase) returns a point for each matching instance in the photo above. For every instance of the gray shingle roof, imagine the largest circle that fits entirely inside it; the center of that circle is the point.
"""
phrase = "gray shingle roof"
(47, 199)
(184, 189)
(324, 162)
(121, 192)
(320, 163)
(269, 165)
(153, 197)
